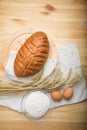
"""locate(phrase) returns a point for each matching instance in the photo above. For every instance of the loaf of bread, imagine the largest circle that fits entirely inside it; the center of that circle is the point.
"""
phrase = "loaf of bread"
(32, 55)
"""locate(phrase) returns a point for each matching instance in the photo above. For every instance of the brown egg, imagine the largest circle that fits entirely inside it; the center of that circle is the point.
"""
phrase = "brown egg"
(56, 95)
(68, 93)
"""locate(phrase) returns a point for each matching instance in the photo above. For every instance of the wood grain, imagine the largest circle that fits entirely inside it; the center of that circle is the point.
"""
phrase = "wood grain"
(38, 126)
(66, 23)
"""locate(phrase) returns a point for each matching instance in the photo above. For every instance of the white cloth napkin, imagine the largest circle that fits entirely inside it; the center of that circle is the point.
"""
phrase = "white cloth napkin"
(68, 57)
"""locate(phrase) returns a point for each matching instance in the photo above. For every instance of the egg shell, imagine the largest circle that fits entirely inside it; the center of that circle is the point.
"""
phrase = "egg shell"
(68, 93)
(56, 95)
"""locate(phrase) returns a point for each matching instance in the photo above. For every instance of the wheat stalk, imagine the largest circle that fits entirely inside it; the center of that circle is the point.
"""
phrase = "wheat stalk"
(48, 83)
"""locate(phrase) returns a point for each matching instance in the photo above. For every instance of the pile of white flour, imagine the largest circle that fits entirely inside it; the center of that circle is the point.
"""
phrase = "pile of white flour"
(36, 104)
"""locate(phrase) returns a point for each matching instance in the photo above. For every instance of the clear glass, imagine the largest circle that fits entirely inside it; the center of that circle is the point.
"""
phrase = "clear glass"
(27, 115)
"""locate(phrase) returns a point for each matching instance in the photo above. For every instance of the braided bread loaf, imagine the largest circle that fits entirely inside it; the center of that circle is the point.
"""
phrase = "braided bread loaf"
(32, 55)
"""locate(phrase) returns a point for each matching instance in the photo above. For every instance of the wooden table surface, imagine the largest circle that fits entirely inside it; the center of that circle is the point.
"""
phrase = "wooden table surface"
(65, 20)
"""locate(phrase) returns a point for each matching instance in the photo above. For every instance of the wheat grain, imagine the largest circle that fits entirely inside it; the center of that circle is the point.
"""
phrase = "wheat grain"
(48, 83)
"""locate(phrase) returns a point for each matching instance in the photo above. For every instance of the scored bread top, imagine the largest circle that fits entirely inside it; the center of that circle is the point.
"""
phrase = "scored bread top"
(32, 55)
